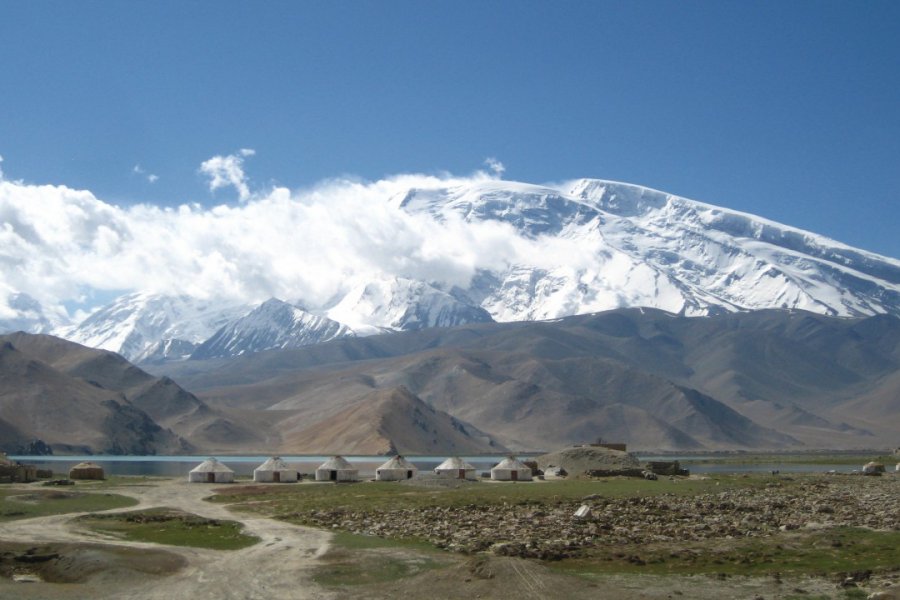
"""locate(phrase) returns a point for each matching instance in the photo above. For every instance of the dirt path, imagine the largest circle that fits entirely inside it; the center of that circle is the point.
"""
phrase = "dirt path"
(279, 566)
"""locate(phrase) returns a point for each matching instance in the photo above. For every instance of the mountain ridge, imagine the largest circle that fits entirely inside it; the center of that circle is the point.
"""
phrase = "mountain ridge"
(579, 247)
(755, 380)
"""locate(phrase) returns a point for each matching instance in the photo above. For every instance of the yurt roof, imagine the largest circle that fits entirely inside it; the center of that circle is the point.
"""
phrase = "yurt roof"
(336, 463)
(211, 465)
(511, 462)
(4, 460)
(87, 465)
(873, 465)
(454, 463)
(398, 462)
(274, 464)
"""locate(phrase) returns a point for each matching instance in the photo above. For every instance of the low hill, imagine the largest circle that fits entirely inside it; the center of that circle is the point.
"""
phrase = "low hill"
(86, 400)
(70, 414)
(582, 459)
(390, 421)
(749, 380)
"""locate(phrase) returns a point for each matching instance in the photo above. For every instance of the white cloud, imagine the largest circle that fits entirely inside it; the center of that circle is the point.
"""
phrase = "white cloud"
(1, 168)
(496, 167)
(311, 245)
(139, 170)
(225, 171)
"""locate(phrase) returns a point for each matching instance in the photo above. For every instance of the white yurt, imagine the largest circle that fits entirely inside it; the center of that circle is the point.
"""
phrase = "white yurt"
(275, 470)
(211, 471)
(336, 468)
(873, 468)
(511, 469)
(455, 468)
(396, 469)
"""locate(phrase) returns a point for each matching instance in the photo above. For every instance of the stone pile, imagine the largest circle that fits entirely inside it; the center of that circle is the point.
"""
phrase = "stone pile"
(549, 532)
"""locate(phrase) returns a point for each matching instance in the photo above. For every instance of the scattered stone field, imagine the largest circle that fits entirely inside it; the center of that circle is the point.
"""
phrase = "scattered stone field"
(550, 531)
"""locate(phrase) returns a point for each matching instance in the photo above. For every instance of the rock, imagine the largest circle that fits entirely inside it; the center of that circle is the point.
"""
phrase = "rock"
(583, 512)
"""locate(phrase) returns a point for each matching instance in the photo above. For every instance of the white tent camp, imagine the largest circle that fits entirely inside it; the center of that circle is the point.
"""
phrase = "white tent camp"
(275, 470)
(396, 469)
(211, 471)
(455, 468)
(336, 468)
(511, 469)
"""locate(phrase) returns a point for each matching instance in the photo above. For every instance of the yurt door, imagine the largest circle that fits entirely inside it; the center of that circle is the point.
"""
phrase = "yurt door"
(276, 476)
(515, 475)
(332, 475)
(409, 474)
(210, 478)
(462, 474)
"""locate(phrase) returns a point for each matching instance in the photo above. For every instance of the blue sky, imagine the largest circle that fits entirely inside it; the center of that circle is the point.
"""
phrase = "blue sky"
(789, 110)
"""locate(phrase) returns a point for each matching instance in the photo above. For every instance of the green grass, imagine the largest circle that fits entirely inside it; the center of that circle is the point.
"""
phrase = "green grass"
(282, 500)
(171, 527)
(839, 550)
(26, 504)
(857, 459)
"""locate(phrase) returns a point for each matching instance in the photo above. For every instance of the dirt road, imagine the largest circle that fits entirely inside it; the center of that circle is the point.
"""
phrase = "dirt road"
(279, 566)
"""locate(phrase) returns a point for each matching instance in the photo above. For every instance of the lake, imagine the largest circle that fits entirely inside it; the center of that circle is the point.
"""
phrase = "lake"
(175, 466)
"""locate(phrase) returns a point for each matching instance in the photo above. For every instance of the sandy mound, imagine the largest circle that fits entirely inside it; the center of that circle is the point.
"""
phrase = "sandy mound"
(582, 459)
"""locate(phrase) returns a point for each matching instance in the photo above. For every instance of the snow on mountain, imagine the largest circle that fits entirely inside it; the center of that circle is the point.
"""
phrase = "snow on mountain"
(639, 247)
(166, 350)
(273, 324)
(23, 313)
(400, 304)
(580, 247)
(134, 324)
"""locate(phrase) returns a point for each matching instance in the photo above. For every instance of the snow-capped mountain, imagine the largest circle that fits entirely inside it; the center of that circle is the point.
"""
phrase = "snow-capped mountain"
(25, 314)
(401, 304)
(166, 350)
(641, 247)
(273, 324)
(140, 324)
(580, 247)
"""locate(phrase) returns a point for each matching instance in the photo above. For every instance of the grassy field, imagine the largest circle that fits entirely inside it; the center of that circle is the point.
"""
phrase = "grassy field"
(171, 527)
(822, 553)
(804, 552)
(849, 459)
(20, 504)
(372, 495)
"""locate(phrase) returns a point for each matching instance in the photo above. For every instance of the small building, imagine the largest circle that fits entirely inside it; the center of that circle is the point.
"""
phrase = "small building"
(86, 470)
(873, 468)
(455, 468)
(336, 468)
(211, 471)
(396, 469)
(275, 470)
(511, 469)
(14, 472)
